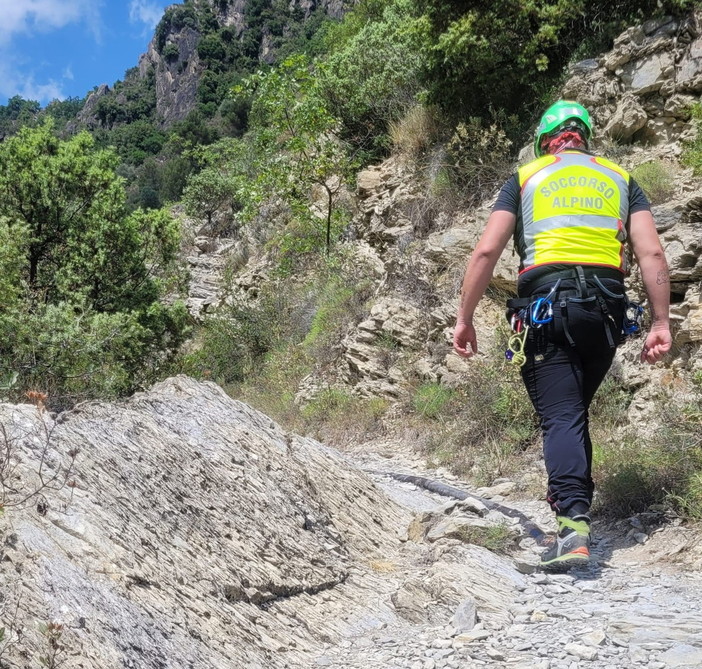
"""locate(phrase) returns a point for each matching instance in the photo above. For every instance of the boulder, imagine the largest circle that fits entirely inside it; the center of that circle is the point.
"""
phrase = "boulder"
(648, 74)
(628, 119)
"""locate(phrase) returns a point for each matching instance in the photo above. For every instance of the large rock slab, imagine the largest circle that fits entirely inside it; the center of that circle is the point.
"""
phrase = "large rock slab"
(192, 525)
(648, 74)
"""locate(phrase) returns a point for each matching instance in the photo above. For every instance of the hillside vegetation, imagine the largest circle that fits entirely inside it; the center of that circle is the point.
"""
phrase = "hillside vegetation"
(268, 157)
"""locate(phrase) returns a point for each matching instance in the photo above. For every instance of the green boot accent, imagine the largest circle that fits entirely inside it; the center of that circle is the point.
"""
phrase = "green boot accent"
(572, 545)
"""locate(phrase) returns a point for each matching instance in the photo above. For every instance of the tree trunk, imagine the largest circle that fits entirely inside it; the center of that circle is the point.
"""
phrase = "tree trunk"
(330, 196)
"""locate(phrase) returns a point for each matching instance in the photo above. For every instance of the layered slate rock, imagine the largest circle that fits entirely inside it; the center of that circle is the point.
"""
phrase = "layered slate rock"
(642, 89)
(195, 533)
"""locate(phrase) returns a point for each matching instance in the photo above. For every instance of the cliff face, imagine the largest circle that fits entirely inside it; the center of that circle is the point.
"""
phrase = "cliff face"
(177, 77)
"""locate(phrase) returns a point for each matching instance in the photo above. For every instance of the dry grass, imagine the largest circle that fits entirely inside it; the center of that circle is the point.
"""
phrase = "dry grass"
(336, 417)
(382, 566)
(416, 132)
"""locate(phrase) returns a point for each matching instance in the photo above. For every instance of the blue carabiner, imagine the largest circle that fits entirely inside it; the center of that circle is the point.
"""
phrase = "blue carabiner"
(537, 306)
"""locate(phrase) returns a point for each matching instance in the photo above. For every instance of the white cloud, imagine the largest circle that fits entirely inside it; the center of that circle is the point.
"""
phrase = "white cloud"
(144, 11)
(43, 93)
(30, 16)
(13, 83)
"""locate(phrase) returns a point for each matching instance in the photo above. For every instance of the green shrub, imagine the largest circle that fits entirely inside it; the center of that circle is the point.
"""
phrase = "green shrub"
(662, 467)
(171, 52)
(637, 473)
(371, 77)
(229, 345)
(272, 385)
(431, 399)
(83, 280)
(656, 180)
(340, 304)
(242, 343)
(478, 159)
(692, 152)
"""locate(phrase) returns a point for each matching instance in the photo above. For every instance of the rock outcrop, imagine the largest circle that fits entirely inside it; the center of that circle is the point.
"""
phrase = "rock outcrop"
(194, 532)
(177, 76)
(87, 117)
(642, 89)
(182, 529)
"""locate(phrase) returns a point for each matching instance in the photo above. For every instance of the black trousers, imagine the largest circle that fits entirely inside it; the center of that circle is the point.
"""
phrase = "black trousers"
(567, 359)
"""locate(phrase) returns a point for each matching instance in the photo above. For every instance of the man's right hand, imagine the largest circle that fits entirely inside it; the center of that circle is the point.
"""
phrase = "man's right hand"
(657, 344)
(464, 339)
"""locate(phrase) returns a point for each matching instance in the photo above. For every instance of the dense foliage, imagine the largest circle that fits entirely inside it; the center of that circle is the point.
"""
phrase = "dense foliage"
(507, 54)
(19, 112)
(83, 280)
(372, 73)
(285, 112)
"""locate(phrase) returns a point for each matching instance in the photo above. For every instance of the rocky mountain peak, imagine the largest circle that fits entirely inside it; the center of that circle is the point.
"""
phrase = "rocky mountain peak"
(173, 53)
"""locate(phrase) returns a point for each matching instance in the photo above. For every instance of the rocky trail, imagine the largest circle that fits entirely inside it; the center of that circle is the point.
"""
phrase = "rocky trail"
(198, 534)
(639, 604)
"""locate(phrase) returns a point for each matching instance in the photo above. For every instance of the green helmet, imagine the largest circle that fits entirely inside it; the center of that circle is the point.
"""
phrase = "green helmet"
(556, 117)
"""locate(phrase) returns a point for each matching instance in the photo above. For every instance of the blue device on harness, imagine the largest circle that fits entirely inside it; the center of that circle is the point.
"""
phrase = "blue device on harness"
(632, 319)
(540, 312)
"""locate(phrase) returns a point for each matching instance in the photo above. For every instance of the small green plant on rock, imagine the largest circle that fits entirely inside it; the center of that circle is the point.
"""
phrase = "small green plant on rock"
(656, 179)
(55, 650)
(498, 538)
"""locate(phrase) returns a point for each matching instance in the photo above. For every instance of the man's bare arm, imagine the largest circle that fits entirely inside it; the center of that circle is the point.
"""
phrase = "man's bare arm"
(498, 231)
(654, 272)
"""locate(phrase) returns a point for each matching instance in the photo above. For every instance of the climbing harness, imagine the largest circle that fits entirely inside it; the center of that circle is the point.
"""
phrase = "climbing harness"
(527, 314)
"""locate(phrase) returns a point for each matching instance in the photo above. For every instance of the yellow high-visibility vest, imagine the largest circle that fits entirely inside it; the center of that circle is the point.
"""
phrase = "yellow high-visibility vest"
(573, 211)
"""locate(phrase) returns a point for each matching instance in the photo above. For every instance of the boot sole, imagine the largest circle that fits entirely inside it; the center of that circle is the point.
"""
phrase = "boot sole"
(577, 558)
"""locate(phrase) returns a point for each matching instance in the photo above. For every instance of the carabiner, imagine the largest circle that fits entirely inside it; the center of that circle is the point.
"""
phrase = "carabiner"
(536, 307)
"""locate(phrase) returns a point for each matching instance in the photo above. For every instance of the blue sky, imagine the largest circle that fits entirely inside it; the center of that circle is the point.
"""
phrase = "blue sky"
(63, 48)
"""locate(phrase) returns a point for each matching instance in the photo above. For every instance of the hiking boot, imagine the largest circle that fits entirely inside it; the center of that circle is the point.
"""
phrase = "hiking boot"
(572, 545)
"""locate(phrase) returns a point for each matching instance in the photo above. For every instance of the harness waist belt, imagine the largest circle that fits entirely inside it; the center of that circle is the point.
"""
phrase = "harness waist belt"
(528, 285)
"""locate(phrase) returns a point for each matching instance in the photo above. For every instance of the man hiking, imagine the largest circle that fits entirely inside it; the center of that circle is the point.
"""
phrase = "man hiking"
(570, 214)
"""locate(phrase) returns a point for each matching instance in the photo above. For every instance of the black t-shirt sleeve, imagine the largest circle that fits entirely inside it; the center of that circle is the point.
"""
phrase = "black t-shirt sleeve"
(637, 198)
(509, 197)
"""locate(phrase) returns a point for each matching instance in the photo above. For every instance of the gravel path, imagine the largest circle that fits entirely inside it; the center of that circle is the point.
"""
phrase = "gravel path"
(632, 607)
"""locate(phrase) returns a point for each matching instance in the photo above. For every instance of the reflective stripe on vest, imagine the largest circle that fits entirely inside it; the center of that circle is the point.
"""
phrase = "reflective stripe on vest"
(573, 208)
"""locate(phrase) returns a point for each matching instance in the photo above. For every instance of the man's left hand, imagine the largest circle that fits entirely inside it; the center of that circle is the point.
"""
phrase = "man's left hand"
(657, 344)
